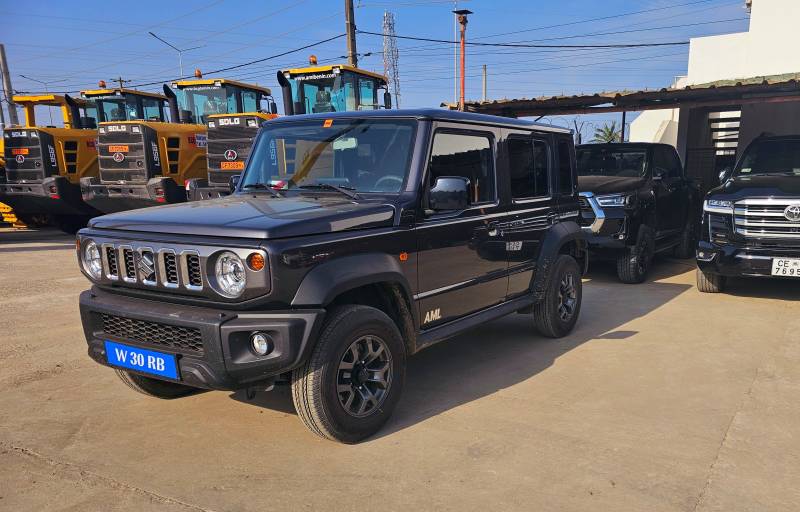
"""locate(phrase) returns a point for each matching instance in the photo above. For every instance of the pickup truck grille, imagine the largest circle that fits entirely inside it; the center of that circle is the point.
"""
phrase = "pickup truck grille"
(156, 268)
(766, 218)
(587, 214)
(719, 228)
(186, 339)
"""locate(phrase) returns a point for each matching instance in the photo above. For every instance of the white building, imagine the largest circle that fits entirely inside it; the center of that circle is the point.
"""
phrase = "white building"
(768, 48)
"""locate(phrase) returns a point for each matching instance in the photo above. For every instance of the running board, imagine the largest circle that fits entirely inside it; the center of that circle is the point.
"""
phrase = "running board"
(450, 329)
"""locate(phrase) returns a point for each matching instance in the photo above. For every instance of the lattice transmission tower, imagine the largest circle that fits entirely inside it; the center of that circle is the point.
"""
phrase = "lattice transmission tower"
(391, 56)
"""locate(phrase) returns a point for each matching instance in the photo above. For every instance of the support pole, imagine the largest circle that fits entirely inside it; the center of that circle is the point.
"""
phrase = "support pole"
(622, 131)
(350, 26)
(484, 82)
(8, 92)
(462, 21)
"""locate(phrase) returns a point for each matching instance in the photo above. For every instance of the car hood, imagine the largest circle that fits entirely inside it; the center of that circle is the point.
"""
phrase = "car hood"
(609, 184)
(258, 216)
(742, 187)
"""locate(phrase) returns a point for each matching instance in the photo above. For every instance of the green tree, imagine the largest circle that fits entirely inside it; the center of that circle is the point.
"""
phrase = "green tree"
(607, 133)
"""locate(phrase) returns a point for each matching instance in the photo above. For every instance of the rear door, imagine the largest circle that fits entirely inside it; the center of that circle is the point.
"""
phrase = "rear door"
(669, 189)
(530, 159)
(462, 262)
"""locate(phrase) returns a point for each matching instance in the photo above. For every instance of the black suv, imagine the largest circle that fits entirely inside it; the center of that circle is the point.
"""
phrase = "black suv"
(751, 223)
(639, 202)
(350, 242)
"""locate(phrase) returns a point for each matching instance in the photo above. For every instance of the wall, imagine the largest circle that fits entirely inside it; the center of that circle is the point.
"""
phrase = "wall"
(775, 118)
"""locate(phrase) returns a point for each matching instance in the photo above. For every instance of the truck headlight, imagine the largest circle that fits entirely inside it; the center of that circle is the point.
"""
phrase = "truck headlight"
(230, 274)
(718, 206)
(613, 200)
(92, 262)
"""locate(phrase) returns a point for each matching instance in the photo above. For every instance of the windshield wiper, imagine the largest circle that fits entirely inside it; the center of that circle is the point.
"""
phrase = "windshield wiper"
(261, 186)
(349, 192)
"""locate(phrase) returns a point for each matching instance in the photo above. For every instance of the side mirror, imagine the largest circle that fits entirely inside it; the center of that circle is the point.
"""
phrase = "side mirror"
(725, 174)
(658, 174)
(233, 182)
(449, 193)
(387, 100)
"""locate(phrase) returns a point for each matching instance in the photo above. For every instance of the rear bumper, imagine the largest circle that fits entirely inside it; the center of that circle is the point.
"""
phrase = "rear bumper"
(53, 196)
(733, 261)
(110, 198)
(224, 361)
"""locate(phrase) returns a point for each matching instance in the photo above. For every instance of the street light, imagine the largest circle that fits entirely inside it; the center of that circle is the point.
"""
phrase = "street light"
(46, 90)
(180, 52)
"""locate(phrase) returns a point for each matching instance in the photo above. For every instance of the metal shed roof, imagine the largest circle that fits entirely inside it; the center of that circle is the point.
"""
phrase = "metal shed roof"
(762, 89)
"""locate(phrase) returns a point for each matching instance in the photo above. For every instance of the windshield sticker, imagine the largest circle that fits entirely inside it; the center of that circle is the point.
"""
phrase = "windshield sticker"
(318, 76)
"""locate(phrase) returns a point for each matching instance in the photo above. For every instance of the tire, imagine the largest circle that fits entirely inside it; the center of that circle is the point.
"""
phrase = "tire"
(70, 224)
(33, 220)
(710, 283)
(335, 412)
(552, 316)
(686, 248)
(632, 268)
(154, 387)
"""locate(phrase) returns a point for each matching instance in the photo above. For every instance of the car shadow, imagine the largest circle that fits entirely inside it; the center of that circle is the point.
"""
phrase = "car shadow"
(663, 267)
(498, 355)
(763, 288)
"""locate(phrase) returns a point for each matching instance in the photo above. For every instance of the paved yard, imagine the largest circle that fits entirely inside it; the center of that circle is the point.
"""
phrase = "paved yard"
(663, 399)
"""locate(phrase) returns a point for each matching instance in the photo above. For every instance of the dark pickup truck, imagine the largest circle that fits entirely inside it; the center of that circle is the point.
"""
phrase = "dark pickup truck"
(751, 222)
(637, 198)
(350, 242)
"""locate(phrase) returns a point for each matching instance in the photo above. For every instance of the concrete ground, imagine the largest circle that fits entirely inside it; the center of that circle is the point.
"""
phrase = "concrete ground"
(663, 399)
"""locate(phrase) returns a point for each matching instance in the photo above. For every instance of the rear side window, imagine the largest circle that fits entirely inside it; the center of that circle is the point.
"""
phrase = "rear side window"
(667, 161)
(528, 166)
(565, 184)
(466, 155)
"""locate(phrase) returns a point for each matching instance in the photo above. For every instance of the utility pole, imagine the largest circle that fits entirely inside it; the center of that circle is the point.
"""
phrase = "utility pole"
(121, 81)
(484, 82)
(7, 90)
(455, 53)
(462, 21)
(180, 52)
(350, 25)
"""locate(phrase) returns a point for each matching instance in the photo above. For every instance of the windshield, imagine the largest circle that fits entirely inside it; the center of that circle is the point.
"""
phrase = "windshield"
(116, 108)
(604, 161)
(198, 102)
(360, 155)
(771, 157)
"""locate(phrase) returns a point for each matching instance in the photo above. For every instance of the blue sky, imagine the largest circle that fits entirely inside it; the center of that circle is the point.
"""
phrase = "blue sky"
(92, 40)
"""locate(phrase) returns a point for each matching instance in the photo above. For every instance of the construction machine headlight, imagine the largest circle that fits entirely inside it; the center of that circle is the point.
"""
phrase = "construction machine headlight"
(230, 274)
(614, 200)
(135, 129)
(718, 206)
(92, 262)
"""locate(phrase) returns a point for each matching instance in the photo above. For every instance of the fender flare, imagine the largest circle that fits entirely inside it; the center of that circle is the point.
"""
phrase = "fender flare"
(330, 279)
(560, 234)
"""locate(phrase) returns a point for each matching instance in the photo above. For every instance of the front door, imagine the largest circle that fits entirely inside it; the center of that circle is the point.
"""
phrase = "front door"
(669, 192)
(462, 261)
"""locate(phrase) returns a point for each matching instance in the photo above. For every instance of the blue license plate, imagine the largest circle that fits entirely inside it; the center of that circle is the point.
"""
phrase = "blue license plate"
(142, 360)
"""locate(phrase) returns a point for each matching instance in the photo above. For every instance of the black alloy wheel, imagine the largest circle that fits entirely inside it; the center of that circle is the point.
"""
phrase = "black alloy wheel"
(364, 376)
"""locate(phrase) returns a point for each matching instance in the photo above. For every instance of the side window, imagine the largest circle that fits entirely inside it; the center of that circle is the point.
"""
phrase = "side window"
(151, 109)
(469, 156)
(249, 101)
(528, 166)
(367, 91)
(565, 184)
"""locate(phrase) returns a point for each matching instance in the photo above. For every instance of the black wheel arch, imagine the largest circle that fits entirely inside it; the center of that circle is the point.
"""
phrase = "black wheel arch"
(562, 238)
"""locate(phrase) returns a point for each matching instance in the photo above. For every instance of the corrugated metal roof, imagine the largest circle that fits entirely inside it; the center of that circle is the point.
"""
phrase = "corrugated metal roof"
(734, 91)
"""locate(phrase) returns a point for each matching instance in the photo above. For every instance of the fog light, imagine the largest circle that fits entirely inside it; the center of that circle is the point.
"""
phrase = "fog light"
(159, 192)
(261, 343)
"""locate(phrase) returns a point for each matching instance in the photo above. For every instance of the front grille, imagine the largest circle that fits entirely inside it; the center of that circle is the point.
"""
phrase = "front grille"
(221, 140)
(170, 268)
(129, 262)
(194, 273)
(719, 226)
(587, 214)
(766, 218)
(111, 263)
(186, 339)
(133, 164)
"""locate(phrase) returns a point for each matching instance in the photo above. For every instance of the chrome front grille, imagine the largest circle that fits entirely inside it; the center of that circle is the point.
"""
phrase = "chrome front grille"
(162, 267)
(766, 218)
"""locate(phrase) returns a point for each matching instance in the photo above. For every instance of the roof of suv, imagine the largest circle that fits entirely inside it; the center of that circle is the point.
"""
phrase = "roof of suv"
(624, 144)
(428, 113)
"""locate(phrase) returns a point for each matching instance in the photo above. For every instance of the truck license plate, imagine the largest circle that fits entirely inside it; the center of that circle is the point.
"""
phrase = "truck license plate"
(786, 267)
(142, 360)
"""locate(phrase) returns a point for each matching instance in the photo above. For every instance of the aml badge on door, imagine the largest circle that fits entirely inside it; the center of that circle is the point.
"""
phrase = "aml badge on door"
(433, 315)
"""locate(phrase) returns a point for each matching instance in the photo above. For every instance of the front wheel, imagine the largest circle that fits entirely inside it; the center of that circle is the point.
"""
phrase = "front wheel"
(353, 379)
(710, 283)
(633, 266)
(555, 316)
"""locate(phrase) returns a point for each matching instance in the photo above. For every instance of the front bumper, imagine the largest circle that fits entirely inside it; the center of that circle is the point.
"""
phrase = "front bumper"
(110, 198)
(733, 261)
(223, 360)
(53, 196)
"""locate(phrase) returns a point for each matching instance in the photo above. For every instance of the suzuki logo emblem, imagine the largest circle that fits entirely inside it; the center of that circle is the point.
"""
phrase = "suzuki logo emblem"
(147, 269)
(231, 155)
(792, 212)
(118, 157)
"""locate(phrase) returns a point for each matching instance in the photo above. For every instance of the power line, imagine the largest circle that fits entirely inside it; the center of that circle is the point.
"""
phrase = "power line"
(518, 45)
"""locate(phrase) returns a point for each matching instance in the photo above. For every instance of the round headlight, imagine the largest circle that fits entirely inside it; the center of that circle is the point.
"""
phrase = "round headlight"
(230, 274)
(91, 260)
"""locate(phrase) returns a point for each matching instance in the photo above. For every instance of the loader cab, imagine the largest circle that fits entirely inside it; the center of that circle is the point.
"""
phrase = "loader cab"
(332, 88)
(195, 101)
(119, 104)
